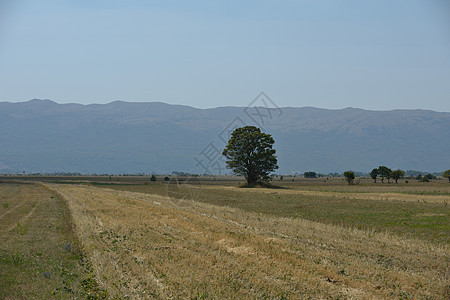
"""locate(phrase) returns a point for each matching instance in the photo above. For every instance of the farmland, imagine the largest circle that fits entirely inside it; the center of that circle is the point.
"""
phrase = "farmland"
(210, 239)
(40, 256)
(416, 210)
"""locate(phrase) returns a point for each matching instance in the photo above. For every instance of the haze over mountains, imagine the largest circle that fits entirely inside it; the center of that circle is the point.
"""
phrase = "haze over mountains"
(122, 137)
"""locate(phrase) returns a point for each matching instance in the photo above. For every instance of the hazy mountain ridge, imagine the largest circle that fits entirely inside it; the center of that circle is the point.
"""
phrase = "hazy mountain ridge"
(124, 137)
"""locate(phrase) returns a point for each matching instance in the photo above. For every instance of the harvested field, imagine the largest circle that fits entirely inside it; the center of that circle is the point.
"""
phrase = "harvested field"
(151, 246)
(391, 209)
(365, 196)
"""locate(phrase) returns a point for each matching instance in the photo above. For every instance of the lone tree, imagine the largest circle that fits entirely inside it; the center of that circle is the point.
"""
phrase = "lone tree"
(384, 172)
(349, 176)
(397, 174)
(250, 154)
(374, 175)
(447, 175)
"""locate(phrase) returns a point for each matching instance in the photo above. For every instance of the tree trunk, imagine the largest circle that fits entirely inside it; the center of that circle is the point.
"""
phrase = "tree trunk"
(251, 178)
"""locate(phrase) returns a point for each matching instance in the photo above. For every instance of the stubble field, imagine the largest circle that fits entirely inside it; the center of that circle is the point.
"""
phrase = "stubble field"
(213, 240)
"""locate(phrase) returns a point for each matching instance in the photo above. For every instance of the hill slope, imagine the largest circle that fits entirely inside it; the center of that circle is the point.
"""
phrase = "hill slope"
(122, 137)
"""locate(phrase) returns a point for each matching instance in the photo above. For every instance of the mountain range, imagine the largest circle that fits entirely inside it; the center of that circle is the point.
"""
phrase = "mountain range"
(154, 137)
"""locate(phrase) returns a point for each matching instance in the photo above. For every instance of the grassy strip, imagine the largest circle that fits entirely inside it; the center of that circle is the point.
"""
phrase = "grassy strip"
(40, 257)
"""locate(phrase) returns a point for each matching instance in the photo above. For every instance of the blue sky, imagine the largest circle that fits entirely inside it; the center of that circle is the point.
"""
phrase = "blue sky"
(378, 55)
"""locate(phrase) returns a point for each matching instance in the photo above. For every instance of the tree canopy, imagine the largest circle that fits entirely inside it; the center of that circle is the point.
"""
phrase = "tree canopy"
(310, 174)
(250, 154)
(447, 175)
(384, 172)
(374, 174)
(349, 176)
(397, 174)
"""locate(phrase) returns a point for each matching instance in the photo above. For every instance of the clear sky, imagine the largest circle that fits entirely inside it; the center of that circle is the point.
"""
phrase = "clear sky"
(380, 54)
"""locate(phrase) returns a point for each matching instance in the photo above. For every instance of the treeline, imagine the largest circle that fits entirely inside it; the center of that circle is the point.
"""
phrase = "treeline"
(383, 173)
(386, 173)
(312, 174)
(411, 174)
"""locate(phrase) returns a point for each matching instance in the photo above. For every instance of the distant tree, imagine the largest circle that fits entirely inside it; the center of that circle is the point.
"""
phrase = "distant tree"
(384, 172)
(446, 174)
(389, 176)
(349, 176)
(413, 173)
(430, 176)
(397, 174)
(166, 178)
(310, 174)
(153, 178)
(374, 175)
(250, 154)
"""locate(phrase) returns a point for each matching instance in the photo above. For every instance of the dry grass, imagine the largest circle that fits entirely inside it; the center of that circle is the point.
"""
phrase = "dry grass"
(150, 246)
(413, 216)
(385, 196)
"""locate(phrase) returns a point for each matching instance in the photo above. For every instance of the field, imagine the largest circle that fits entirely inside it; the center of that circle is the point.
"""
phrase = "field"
(413, 210)
(40, 255)
(210, 239)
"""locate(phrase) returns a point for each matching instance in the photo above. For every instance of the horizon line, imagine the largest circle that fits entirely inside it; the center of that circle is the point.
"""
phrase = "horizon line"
(226, 106)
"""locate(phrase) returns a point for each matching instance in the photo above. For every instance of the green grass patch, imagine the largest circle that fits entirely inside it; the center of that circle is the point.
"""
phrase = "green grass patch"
(41, 258)
(430, 193)
(21, 228)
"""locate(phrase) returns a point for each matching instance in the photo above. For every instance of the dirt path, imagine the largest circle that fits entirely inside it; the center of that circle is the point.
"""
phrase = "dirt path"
(149, 246)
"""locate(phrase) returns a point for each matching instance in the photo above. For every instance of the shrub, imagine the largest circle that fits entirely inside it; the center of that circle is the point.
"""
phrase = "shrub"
(349, 176)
